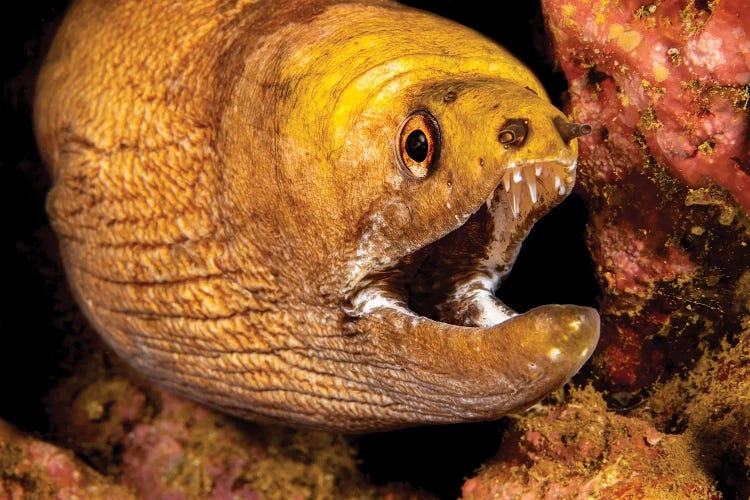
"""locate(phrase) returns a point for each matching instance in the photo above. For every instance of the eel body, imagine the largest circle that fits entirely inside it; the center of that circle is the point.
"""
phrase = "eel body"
(299, 211)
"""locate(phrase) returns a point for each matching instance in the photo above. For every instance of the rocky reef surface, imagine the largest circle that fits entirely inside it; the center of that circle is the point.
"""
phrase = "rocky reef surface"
(665, 173)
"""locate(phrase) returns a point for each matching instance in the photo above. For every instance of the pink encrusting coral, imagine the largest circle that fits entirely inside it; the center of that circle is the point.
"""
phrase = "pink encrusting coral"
(160, 446)
(665, 173)
(674, 71)
(184, 451)
(31, 468)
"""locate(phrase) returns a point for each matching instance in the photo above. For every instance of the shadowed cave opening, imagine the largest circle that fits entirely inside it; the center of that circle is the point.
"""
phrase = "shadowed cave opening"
(553, 267)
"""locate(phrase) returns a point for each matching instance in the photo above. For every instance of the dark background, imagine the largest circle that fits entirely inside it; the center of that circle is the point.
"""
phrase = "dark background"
(553, 267)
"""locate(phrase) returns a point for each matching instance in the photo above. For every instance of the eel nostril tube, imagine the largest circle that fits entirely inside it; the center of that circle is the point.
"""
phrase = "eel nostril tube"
(570, 130)
(514, 132)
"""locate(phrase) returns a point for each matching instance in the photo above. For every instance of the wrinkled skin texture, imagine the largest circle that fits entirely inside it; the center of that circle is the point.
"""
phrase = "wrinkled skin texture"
(227, 196)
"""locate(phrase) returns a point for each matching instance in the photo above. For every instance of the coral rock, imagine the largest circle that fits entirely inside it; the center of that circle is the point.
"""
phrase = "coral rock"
(674, 73)
(665, 173)
(30, 468)
(163, 446)
(580, 450)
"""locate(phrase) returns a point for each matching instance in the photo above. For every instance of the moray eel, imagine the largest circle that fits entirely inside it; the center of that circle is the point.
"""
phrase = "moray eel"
(299, 211)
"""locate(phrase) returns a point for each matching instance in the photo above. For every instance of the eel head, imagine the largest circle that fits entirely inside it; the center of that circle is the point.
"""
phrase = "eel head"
(408, 185)
(478, 163)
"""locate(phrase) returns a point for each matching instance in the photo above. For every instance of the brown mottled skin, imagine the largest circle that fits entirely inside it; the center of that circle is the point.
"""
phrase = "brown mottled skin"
(217, 175)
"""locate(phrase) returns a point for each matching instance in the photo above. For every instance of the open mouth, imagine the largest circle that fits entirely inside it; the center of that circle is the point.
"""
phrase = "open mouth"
(445, 347)
(453, 279)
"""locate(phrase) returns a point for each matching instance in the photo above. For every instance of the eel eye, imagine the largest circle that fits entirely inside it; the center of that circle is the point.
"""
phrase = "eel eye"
(418, 143)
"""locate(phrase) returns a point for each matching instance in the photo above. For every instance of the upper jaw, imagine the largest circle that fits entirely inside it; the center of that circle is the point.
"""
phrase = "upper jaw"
(537, 182)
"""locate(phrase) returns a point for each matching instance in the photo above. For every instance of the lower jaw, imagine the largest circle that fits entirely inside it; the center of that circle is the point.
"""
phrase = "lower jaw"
(426, 371)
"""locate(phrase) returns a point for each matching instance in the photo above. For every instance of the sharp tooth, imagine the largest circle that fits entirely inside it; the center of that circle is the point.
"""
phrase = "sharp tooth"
(532, 189)
(489, 203)
(516, 203)
(538, 171)
(561, 191)
(506, 181)
(557, 183)
(531, 184)
(517, 176)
